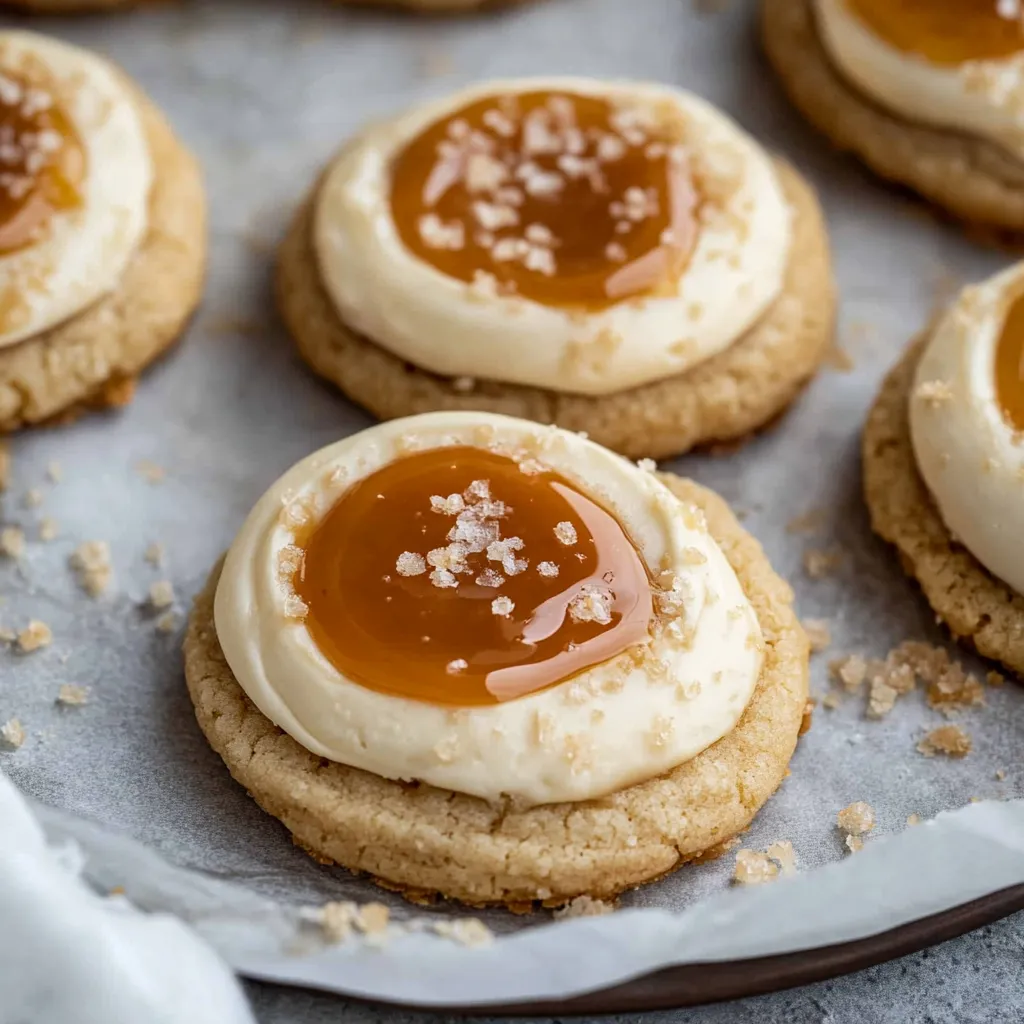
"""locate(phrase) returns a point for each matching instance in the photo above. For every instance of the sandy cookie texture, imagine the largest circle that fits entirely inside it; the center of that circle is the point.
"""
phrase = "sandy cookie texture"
(971, 178)
(92, 360)
(725, 398)
(979, 609)
(424, 841)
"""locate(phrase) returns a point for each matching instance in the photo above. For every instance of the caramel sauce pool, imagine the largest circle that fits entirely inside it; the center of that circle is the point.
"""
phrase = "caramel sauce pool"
(1009, 366)
(391, 621)
(42, 163)
(944, 31)
(563, 199)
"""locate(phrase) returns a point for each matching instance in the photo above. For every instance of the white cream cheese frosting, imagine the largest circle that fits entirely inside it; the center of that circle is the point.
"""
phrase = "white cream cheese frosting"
(967, 453)
(82, 251)
(441, 324)
(981, 97)
(629, 719)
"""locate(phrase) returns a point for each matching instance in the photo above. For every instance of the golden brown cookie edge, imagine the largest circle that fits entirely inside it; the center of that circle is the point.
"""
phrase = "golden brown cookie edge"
(972, 179)
(979, 610)
(418, 839)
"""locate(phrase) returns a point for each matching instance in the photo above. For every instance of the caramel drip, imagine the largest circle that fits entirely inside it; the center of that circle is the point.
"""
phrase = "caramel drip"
(453, 577)
(564, 199)
(946, 31)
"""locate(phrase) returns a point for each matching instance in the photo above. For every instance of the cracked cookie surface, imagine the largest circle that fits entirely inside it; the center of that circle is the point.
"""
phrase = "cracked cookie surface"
(424, 841)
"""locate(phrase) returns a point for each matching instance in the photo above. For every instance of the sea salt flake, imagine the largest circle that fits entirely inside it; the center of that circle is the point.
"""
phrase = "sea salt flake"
(592, 604)
(502, 606)
(409, 563)
(565, 533)
(549, 569)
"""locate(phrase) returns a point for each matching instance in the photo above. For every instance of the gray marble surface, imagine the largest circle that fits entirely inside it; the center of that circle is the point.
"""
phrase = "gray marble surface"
(264, 91)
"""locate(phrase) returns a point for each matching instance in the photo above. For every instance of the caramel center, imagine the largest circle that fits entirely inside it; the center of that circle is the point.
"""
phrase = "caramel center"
(564, 199)
(1009, 367)
(42, 163)
(454, 577)
(947, 31)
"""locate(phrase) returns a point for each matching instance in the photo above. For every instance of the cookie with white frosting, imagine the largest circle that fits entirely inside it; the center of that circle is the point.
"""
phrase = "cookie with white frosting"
(928, 95)
(614, 257)
(102, 231)
(475, 656)
(944, 466)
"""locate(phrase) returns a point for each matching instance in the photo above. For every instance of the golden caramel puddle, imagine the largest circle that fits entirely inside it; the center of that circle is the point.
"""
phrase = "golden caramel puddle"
(1009, 365)
(946, 31)
(453, 577)
(42, 163)
(564, 199)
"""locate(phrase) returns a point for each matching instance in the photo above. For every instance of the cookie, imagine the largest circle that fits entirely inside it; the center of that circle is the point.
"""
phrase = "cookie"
(423, 841)
(972, 178)
(728, 397)
(979, 609)
(91, 360)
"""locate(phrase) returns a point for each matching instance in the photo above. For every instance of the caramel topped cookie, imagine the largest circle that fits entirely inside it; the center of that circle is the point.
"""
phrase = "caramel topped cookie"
(97, 275)
(505, 612)
(556, 242)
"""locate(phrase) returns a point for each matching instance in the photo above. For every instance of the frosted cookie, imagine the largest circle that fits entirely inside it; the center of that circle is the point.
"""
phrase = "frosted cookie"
(944, 466)
(928, 94)
(617, 258)
(102, 231)
(477, 657)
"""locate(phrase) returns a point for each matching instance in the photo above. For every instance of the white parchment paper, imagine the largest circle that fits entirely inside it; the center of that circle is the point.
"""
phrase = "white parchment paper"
(264, 91)
(953, 859)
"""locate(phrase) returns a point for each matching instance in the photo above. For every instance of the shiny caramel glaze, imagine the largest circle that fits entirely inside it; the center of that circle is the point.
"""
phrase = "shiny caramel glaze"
(1009, 365)
(409, 577)
(565, 199)
(42, 163)
(945, 31)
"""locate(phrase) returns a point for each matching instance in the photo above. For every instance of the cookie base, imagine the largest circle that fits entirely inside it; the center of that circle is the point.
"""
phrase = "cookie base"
(980, 610)
(424, 842)
(91, 360)
(971, 178)
(728, 397)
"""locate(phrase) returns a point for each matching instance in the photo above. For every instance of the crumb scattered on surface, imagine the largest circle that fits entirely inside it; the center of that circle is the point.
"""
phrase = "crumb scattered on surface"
(55, 472)
(33, 498)
(48, 529)
(784, 855)
(850, 671)
(161, 594)
(948, 741)
(913, 819)
(466, 931)
(336, 920)
(155, 554)
(1000, 775)
(819, 564)
(12, 542)
(7, 636)
(167, 623)
(854, 844)
(73, 696)
(12, 732)
(819, 634)
(857, 819)
(34, 636)
(831, 700)
(150, 471)
(584, 906)
(754, 868)
(91, 563)
(372, 918)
